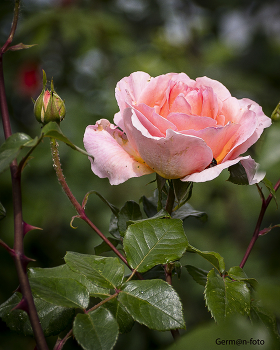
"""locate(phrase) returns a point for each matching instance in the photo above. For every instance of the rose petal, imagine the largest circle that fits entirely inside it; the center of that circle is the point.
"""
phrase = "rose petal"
(251, 168)
(130, 88)
(154, 93)
(210, 105)
(216, 137)
(190, 122)
(213, 172)
(194, 98)
(219, 89)
(180, 105)
(172, 156)
(113, 156)
(244, 138)
(150, 120)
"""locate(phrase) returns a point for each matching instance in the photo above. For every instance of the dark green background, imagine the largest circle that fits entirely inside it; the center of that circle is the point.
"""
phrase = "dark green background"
(87, 47)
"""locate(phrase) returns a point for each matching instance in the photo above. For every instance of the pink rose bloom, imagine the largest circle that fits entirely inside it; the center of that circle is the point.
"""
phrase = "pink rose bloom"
(176, 127)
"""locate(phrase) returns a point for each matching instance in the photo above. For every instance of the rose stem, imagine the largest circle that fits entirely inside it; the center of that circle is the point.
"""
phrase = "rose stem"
(168, 271)
(18, 249)
(265, 203)
(76, 204)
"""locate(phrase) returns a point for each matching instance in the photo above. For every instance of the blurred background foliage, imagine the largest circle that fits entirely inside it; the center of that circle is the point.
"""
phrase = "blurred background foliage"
(87, 47)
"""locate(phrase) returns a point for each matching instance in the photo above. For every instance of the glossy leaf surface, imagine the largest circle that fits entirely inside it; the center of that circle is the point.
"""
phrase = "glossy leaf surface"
(153, 303)
(225, 297)
(102, 271)
(155, 241)
(97, 330)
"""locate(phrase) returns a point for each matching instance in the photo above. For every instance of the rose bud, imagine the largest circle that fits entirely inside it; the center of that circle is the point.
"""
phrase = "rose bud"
(49, 107)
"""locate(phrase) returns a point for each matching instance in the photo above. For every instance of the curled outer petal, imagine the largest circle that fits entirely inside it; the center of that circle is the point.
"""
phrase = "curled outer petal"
(113, 156)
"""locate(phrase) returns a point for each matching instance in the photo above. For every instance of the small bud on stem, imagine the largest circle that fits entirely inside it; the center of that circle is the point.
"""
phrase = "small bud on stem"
(49, 107)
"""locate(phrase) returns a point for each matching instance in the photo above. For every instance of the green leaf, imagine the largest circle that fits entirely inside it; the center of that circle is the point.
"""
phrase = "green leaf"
(182, 189)
(155, 241)
(129, 212)
(54, 319)
(2, 211)
(186, 211)
(259, 314)
(153, 303)
(113, 227)
(199, 275)
(149, 207)
(11, 148)
(162, 214)
(53, 130)
(214, 258)
(125, 321)
(64, 292)
(225, 297)
(97, 330)
(64, 271)
(103, 247)
(236, 273)
(238, 175)
(102, 271)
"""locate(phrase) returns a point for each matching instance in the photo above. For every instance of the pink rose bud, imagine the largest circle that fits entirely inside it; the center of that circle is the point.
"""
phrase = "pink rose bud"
(177, 127)
(49, 107)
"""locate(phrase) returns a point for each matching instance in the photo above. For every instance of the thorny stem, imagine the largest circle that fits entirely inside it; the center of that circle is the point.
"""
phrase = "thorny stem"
(256, 234)
(13, 29)
(18, 249)
(74, 201)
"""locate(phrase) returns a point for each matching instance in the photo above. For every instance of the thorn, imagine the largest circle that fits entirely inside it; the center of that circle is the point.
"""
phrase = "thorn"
(22, 305)
(9, 250)
(27, 228)
(25, 261)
